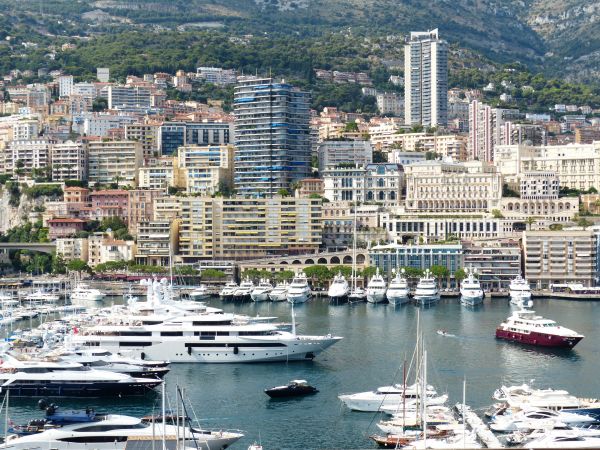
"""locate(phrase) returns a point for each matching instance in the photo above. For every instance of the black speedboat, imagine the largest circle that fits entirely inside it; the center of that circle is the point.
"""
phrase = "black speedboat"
(295, 388)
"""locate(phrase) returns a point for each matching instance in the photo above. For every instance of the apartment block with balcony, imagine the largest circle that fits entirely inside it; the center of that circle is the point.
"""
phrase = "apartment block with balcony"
(243, 228)
(114, 162)
(156, 240)
(205, 170)
(497, 262)
(69, 161)
(567, 256)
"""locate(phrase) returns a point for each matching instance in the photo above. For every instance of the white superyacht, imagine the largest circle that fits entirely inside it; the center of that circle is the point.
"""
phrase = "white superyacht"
(339, 289)
(376, 288)
(261, 292)
(398, 290)
(427, 291)
(471, 293)
(173, 333)
(299, 290)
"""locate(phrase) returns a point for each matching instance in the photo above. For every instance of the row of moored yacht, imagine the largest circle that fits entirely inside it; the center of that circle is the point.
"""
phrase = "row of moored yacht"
(298, 291)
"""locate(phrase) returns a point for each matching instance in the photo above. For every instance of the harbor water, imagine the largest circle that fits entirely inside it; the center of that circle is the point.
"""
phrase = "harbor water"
(377, 339)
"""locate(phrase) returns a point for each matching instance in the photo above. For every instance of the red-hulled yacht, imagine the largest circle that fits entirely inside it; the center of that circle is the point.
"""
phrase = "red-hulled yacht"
(527, 328)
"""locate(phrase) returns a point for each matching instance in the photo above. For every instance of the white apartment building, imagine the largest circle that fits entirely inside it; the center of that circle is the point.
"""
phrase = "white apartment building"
(21, 157)
(92, 124)
(426, 79)
(158, 175)
(86, 90)
(448, 186)
(145, 133)
(344, 151)
(114, 162)
(390, 103)
(72, 248)
(374, 183)
(539, 185)
(404, 158)
(26, 129)
(69, 161)
(103, 74)
(217, 75)
(204, 170)
(576, 165)
(126, 97)
(65, 85)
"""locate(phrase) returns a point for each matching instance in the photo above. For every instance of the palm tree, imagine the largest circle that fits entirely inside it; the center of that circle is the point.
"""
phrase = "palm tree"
(530, 221)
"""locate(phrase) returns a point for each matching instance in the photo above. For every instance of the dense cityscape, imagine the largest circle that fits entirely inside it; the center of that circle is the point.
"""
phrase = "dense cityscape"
(154, 221)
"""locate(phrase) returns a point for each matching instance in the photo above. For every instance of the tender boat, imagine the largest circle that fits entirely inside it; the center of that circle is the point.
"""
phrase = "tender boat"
(357, 294)
(279, 292)
(398, 291)
(261, 292)
(427, 291)
(525, 327)
(298, 290)
(471, 293)
(228, 290)
(242, 293)
(565, 440)
(83, 292)
(376, 288)
(520, 291)
(295, 388)
(112, 431)
(339, 289)
(200, 293)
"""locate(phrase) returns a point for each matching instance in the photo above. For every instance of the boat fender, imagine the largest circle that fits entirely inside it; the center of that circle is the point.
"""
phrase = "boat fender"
(189, 350)
(236, 350)
(143, 355)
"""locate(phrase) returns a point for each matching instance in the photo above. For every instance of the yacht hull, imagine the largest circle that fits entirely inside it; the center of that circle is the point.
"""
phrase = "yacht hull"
(338, 298)
(538, 339)
(80, 389)
(260, 297)
(298, 298)
(278, 297)
(425, 300)
(243, 351)
(471, 300)
(397, 298)
(376, 297)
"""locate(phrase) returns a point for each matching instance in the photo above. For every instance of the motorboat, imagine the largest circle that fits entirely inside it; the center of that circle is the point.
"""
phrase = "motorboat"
(398, 291)
(376, 288)
(199, 293)
(261, 292)
(357, 294)
(41, 297)
(565, 440)
(525, 327)
(390, 396)
(426, 292)
(339, 289)
(536, 418)
(83, 292)
(525, 397)
(520, 291)
(242, 293)
(299, 290)
(279, 292)
(294, 388)
(110, 431)
(471, 293)
(228, 290)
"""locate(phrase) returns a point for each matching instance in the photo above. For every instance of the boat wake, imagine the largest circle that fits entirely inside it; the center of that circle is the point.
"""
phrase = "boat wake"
(445, 333)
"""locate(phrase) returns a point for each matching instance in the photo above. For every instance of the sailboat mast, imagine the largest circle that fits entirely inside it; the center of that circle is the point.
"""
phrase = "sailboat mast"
(463, 412)
(354, 251)
(164, 419)
(424, 402)
(403, 395)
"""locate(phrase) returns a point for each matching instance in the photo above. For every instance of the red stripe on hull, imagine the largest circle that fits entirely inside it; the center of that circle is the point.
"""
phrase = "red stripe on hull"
(539, 339)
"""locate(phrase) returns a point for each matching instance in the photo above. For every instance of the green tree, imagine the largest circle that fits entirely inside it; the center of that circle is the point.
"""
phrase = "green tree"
(283, 192)
(460, 275)
(344, 270)
(58, 264)
(497, 214)
(530, 221)
(556, 227)
(441, 273)
(368, 272)
(584, 223)
(319, 274)
(212, 274)
(284, 275)
(77, 265)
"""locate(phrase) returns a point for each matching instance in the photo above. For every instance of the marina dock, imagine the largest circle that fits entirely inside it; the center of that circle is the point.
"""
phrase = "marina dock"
(485, 435)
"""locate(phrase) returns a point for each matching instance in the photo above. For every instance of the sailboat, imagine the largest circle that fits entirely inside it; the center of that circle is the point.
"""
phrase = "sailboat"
(357, 294)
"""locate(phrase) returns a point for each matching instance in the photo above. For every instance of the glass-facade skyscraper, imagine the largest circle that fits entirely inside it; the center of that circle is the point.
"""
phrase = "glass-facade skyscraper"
(272, 136)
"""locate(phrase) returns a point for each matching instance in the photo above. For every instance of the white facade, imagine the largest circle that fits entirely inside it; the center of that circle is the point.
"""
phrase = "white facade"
(86, 90)
(390, 103)
(426, 79)
(217, 75)
(539, 186)
(348, 152)
(26, 129)
(576, 165)
(375, 183)
(103, 74)
(69, 161)
(205, 169)
(114, 162)
(404, 158)
(447, 186)
(124, 97)
(72, 248)
(100, 124)
(27, 155)
(65, 85)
